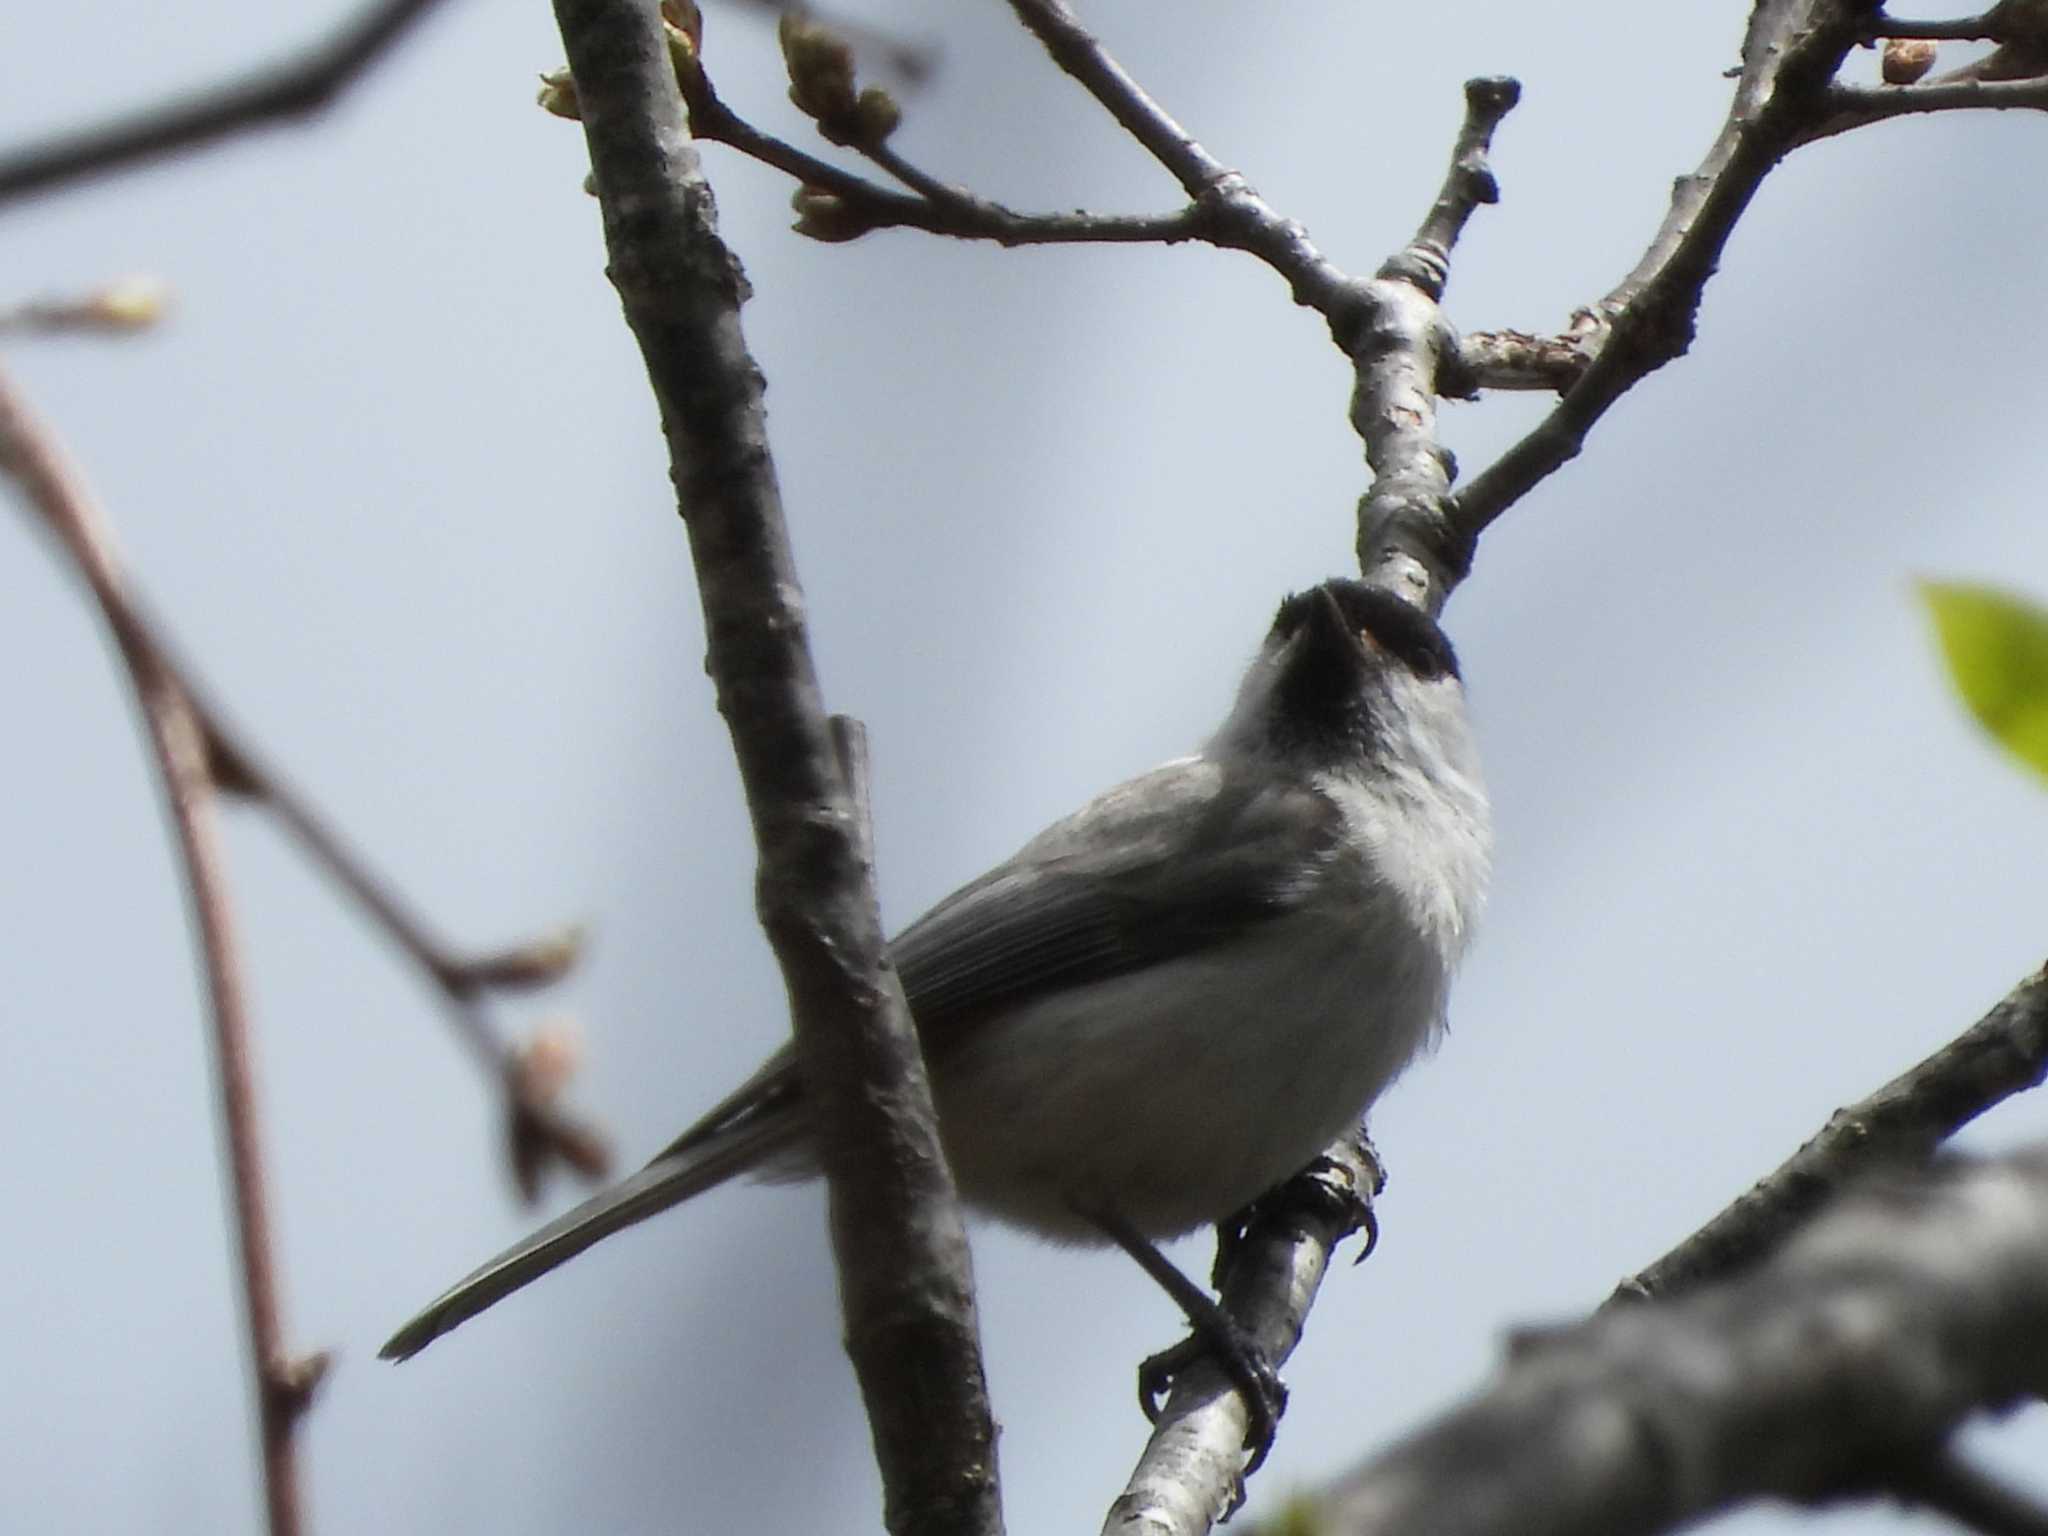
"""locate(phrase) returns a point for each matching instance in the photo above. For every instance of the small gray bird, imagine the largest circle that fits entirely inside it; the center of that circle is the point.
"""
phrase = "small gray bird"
(1171, 1001)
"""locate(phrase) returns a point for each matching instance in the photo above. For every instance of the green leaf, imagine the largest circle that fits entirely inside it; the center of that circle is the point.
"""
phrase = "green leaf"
(1997, 648)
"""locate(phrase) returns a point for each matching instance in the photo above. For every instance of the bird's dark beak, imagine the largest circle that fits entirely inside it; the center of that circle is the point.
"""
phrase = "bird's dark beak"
(1329, 633)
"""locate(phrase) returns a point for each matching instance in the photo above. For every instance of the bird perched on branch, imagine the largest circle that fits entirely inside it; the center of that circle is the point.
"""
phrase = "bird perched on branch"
(1174, 999)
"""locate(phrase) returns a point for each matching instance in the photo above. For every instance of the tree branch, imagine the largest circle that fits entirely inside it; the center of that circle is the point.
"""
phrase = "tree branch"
(1851, 107)
(1970, 1496)
(296, 88)
(284, 1384)
(1960, 29)
(536, 1129)
(1407, 540)
(863, 206)
(1905, 1121)
(1790, 54)
(1077, 52)
(1853, 1354)
(905, 1279)
(1187, 1479)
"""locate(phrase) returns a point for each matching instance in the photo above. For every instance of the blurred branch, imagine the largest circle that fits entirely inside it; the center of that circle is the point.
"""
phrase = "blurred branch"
(537, 1130)
(1905, 1121)
(1961, 28)
(1969, 1496)
(295, 88)
(530, 1077)
(905, 1278)
(1187, 1479)
(130, 304)
(284, 1384)
(1837, 1370)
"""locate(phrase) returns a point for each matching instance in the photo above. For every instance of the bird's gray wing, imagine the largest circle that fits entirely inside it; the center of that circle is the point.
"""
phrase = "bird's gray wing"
(1162, 865)
(1170, 863)
(1185, 857)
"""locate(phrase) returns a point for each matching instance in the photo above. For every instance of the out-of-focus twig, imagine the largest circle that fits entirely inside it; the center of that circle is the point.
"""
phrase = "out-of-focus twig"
(537, 1130)
(130, 304)
(297, 87)
(57, 493)
(1970, 1496)
(1836, 1370)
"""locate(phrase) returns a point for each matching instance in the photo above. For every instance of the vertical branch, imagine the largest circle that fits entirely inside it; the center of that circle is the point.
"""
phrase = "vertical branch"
(1407, 539)
(906, 1287)
(178, 739)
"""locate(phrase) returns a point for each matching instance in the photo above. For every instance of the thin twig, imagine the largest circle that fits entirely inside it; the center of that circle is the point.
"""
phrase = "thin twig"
(295, 88)
(129, 304)
(1851, 106)
(906, 1284)
(1077, 52)
(947, 210)
(1855, 1351)
(1236, 217)
(1958, 29)
(284, 1385)
(536, 1128)
(1791, 53)
(2003, 1053)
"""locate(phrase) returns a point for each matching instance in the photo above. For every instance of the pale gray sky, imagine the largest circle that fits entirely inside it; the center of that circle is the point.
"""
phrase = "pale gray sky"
(393, 476)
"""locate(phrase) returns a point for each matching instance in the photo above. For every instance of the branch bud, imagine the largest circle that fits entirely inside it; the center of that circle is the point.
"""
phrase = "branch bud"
(1906, 59)
(875, 116)
(558, 94)
(820, 67)
(826, 216)
(129, 304)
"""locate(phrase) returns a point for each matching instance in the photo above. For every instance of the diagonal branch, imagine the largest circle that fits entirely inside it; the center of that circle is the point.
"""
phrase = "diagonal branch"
(1837, 1370)
(906, 1284)
(1187, 1479)
(1791, 52)
(2003, 1053)
(1077, 51)
(299, 87)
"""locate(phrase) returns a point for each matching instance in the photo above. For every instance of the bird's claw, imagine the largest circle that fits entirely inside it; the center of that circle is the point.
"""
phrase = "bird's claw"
(1239, 1358)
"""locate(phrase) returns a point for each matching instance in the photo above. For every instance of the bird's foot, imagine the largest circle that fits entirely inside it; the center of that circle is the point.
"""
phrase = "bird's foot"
(1218, 1338)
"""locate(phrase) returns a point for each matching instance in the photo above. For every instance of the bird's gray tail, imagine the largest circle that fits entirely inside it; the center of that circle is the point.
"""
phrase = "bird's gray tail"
(670, 1179)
